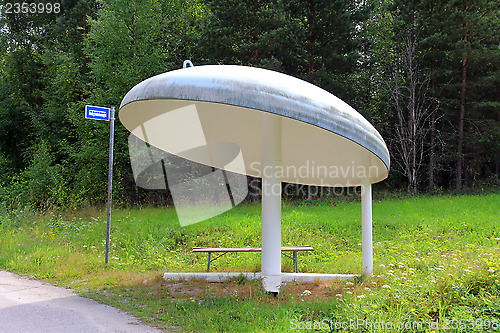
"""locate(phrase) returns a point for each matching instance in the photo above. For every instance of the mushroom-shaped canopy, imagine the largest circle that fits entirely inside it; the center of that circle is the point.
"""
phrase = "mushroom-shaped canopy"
(324, 141)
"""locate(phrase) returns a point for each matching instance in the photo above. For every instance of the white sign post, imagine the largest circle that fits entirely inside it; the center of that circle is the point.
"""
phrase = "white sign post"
(108, 114)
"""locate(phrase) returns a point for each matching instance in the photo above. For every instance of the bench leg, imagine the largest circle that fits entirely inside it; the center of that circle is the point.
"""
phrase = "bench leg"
(295, 261)
(210, 259)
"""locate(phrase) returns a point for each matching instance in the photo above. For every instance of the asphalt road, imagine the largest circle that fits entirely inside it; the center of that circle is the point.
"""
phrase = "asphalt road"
(30, 306)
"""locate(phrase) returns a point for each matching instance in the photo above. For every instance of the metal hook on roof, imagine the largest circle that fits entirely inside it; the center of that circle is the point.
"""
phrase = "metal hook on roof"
(186, 63)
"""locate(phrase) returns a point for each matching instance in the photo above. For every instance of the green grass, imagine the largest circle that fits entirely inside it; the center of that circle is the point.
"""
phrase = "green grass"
(436, 265)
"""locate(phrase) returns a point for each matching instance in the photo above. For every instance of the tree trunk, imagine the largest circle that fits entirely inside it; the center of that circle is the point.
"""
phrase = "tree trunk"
(432, 158)
(461, 119)
(432, 161)
(134, 30)
(412, 81)
(312, 37)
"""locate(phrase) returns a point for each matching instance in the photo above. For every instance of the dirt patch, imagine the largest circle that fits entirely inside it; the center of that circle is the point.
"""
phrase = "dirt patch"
(241, 289)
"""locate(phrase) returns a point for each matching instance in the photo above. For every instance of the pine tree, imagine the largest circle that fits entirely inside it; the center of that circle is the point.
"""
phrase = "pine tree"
(465, 59)
(315, 40)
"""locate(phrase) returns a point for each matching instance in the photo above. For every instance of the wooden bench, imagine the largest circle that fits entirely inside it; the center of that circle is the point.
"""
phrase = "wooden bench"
(211, 250)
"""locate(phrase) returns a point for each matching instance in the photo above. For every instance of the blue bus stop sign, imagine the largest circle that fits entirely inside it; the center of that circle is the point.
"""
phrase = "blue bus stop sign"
(97, 112)
(108, 114)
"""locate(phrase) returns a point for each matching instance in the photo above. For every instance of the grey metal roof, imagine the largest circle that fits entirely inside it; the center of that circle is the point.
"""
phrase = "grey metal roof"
(318, 122)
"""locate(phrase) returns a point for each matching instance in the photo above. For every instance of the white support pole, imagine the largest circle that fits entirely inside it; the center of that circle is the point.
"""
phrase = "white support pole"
(366, 226)
(271, 203)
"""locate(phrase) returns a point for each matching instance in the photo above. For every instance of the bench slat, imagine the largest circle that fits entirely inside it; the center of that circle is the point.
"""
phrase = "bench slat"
(250, 249)
(297, 248)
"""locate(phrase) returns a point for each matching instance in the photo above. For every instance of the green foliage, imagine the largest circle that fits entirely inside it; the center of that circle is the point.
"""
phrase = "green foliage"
(314, 40)
(93, 52)
(41, 185)
(131, 41)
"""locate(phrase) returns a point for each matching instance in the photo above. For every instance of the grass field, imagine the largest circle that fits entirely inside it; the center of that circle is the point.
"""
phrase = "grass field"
(436, 265)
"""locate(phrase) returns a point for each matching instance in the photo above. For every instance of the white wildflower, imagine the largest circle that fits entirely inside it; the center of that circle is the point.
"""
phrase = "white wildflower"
(306, 293)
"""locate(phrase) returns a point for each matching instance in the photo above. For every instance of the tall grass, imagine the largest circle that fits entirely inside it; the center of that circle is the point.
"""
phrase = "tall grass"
(436, 262)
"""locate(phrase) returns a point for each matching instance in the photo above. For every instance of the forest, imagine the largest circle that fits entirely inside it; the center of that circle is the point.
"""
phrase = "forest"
(425, 73)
